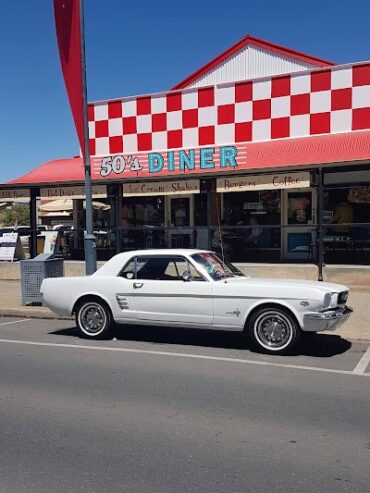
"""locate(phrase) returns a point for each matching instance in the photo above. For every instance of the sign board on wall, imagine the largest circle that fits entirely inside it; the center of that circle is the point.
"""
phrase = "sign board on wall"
(264, 182)
(175, 163)
(180, 187)
(9, 195)
(98, 191)
(11, 247)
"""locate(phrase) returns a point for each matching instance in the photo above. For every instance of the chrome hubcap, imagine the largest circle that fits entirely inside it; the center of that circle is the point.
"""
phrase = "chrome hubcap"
(273, 330)
(92, 318)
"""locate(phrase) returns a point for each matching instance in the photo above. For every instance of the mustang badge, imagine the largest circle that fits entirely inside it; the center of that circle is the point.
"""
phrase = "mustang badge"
(235, 312)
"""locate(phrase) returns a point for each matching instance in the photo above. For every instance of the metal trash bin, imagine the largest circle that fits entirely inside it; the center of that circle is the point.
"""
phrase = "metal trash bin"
(34, 271)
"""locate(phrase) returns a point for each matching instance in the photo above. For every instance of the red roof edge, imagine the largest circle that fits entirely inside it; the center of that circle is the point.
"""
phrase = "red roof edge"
(55, 171)
(261, 43)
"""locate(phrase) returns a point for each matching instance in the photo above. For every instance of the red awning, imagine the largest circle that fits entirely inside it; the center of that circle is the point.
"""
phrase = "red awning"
(322, 149)
(57, 171)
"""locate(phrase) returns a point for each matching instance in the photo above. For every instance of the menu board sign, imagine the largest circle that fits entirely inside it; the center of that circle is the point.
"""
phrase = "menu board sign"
(179, 187)
(9, 195)
(264, 182)
(11, 247)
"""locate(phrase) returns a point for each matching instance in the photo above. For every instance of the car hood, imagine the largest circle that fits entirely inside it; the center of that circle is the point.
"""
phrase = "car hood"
(288, 283)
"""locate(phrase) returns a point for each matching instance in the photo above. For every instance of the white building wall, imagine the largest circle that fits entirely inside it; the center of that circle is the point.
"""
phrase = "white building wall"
(248, 63)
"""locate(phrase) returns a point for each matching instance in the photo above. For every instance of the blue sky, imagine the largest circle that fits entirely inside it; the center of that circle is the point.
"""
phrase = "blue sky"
(142, 47)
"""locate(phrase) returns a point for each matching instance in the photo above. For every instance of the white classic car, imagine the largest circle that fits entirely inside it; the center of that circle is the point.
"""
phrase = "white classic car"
(194, 288)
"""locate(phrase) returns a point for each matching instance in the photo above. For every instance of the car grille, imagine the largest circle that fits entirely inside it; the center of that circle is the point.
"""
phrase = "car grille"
(342, 298)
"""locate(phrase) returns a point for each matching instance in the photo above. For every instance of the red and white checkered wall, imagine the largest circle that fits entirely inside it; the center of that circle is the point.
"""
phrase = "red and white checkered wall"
(324, 101)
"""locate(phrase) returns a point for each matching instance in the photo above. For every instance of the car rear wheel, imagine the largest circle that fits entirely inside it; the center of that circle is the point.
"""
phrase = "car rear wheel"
(274, 330)
(94, 319)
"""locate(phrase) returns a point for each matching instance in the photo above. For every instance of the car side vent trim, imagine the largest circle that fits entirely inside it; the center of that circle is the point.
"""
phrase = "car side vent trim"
(122, 301)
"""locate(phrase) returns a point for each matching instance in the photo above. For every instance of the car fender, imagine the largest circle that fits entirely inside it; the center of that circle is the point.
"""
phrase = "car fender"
(90, 293)
(274, 301)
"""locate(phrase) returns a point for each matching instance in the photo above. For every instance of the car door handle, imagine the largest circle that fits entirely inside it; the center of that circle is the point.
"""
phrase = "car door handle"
(138, 285)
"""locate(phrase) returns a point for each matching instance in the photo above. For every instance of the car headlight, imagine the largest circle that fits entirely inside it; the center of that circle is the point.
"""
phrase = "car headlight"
(327, 300)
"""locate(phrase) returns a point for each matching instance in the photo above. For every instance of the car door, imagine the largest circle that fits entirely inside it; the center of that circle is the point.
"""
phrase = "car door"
(161, 294)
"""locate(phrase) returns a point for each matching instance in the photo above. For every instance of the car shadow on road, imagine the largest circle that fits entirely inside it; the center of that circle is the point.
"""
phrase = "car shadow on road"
(322, 345)
(315, 345)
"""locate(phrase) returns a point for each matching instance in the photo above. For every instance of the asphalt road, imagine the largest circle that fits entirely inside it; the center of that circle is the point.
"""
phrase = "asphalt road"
(163, 410)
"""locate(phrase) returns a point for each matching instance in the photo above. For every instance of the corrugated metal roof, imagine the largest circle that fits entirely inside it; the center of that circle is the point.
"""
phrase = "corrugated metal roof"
(56, 171)
(248, 63)
(280, 60)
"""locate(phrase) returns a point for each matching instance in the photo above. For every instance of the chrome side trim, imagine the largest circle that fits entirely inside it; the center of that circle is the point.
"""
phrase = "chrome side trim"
(172, 295)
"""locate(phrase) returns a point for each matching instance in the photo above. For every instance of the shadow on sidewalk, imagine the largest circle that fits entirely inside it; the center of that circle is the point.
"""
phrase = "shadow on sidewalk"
(315, 345)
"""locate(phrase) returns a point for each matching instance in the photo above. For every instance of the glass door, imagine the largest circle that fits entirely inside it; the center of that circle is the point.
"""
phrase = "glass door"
(299, 217)
(180, 219)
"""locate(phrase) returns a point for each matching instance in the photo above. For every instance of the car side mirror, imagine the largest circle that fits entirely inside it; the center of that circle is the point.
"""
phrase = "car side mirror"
(186, 276)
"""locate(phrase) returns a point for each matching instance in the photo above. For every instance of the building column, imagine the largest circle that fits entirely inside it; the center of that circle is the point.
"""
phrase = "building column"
(320, 226)
(114, 191)
(35, 192)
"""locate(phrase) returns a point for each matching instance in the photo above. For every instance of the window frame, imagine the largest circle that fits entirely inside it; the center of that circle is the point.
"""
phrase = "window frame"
(135, 257)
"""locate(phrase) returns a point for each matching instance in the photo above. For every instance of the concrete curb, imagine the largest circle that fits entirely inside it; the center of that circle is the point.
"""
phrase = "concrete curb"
(35, 313)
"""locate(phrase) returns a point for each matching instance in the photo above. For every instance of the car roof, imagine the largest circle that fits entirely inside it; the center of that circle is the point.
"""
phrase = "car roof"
(115, 264)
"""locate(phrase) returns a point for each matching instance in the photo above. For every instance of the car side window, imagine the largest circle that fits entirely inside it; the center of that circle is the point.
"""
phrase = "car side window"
(159, 268)
(129, 271)
(183, 265)
(153, 268)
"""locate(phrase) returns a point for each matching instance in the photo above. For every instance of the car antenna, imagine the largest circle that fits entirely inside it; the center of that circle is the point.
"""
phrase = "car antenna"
(220, 236)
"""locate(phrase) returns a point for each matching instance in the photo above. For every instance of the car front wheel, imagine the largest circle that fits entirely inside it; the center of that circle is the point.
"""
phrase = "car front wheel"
(94, 319)
(274, 330)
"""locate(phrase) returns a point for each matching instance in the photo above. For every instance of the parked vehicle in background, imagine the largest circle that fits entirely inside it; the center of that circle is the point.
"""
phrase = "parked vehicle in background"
(6, 229)
(62, 227)
(42, 227)
(194, 288)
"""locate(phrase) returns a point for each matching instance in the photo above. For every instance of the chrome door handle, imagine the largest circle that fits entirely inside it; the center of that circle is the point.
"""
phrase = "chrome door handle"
(138, 285)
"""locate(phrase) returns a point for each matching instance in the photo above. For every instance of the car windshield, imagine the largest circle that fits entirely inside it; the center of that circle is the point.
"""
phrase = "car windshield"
(237, 272)
(214, 266)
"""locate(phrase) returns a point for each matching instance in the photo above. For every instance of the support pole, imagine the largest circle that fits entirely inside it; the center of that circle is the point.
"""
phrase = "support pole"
(320, 226)
(35, 192)
(89, 238)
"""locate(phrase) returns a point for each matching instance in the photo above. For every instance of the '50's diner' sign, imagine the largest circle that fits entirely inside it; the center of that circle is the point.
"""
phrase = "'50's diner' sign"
(174, 162)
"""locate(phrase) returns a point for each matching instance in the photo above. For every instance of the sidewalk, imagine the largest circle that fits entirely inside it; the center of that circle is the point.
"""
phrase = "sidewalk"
(11, 303)
(357, 328)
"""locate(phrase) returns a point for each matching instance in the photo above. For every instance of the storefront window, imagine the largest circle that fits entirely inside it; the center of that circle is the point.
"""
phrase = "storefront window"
(239, 207)
(346, 207)
(200, 209)
(347, 224)
(299, 208)
(247, 225)
(140, 211)
(180, 212)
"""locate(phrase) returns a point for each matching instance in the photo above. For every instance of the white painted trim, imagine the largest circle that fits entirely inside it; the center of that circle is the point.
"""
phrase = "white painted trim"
(362, 364)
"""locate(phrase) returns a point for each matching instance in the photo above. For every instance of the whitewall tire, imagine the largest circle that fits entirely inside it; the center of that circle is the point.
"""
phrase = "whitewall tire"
(274, 330)
(94, 319)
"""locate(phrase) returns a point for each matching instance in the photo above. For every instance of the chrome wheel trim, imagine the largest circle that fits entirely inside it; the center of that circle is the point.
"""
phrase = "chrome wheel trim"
(273, 330)
(92, 318)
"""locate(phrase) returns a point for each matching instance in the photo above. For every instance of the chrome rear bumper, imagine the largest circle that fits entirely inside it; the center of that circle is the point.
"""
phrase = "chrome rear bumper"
(328, 320)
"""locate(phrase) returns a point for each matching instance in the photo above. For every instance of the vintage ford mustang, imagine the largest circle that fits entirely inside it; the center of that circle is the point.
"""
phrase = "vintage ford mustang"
(195, 288)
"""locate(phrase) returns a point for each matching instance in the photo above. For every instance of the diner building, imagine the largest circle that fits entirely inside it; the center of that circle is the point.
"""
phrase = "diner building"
(262, 155)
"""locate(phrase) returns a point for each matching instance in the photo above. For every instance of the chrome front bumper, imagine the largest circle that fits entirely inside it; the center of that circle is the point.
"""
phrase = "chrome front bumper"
(328, 320)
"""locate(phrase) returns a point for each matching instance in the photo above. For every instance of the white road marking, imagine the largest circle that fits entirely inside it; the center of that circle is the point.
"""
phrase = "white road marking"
(362, 364)
(187, 355)
(16, 321)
